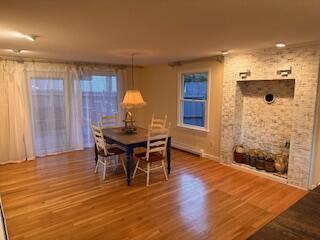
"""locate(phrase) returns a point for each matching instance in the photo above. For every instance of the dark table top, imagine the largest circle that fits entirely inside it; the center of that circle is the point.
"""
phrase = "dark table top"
(117, 134)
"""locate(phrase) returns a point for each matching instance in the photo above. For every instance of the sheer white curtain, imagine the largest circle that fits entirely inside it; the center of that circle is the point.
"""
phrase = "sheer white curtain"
(55, 108)
(121, 77)
(15, 127)
(101, 91)
(47, 108)
(75, 116)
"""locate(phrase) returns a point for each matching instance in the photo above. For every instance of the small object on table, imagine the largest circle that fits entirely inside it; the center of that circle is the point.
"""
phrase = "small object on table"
(129, 123)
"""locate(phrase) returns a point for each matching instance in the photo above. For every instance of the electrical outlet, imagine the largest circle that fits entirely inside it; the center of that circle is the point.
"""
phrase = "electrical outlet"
(201, 152)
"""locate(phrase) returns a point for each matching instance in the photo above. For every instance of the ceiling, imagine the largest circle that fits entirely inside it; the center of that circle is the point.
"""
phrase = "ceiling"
(158, 31)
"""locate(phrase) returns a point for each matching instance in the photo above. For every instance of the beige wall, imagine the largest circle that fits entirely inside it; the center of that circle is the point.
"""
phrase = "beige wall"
(159, 86)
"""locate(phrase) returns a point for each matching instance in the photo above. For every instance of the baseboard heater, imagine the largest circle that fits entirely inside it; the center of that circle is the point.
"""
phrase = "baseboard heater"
(187, 148)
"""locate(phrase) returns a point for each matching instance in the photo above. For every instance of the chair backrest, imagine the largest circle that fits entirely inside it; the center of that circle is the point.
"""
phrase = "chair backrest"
(158, 123)
(108, 121)
(157, 141)
(99, 139)
(3, 226)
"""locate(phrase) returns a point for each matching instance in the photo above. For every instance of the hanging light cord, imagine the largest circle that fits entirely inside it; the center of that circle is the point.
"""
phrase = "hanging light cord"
(132, 72)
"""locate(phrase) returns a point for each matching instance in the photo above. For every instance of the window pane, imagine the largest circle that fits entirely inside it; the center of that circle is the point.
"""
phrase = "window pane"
(99, 96)
(48, 114)
(194, 113)
(195, 85)
(194, 96)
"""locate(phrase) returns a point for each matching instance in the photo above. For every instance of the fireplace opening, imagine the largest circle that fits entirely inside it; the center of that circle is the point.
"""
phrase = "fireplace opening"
(263, 124)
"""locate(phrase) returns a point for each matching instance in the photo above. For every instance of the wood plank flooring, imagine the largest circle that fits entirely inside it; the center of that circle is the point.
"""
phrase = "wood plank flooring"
(300, 221)
(60, 197)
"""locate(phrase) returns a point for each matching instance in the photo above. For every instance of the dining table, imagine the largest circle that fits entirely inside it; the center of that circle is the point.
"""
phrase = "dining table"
(130, 141)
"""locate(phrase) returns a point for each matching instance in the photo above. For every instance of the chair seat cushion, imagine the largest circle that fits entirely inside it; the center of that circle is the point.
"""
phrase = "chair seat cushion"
(112, 151)
(153, 157)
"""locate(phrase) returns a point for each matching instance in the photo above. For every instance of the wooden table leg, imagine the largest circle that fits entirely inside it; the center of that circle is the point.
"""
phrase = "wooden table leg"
(96, 153)
(129, 152)
(169, 155)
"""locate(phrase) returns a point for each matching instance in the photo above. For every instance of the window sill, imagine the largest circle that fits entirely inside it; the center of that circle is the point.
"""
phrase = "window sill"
(201, 129)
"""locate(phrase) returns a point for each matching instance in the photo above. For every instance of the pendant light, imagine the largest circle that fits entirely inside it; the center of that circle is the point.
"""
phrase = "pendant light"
(132, 99)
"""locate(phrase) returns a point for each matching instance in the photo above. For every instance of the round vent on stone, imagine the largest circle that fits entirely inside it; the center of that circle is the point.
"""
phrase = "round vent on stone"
(269, 98)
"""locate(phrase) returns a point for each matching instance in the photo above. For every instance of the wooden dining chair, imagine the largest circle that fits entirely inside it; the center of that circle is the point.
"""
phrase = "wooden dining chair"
(108, 121)
(106, 152)
(3, 225)
(155, 154)
(158, 122)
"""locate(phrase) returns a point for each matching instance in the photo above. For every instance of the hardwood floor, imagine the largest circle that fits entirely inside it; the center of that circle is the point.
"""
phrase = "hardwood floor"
(300, 221)
(60, 197)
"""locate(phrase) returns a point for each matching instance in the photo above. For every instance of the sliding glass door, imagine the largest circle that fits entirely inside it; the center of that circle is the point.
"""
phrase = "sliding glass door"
(99, 96)
(49, 115)
(64, 103)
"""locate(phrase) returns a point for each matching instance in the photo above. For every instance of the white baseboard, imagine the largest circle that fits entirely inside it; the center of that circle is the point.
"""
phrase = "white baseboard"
(258, 173)
(299, 187)
(190, 149)
(313, 186)
(210, 156)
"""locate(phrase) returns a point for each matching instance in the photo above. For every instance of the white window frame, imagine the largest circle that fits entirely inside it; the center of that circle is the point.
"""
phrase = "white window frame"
(180, 101)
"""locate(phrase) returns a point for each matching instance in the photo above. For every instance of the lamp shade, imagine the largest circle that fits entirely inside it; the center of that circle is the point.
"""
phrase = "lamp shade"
(133, 99)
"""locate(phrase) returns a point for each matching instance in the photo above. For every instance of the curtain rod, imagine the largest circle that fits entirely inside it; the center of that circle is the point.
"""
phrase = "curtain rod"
(218, 58)
(47, 60)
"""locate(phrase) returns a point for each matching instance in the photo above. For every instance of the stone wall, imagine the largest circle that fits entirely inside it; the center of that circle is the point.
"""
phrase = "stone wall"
(265, 126)
(263, 65)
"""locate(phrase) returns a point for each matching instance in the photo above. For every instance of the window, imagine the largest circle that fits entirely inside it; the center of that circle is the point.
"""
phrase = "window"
(193, 100)
(99, 96)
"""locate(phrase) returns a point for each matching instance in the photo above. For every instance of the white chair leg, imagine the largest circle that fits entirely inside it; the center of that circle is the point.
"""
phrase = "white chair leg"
(97, 165)
(135, 170)
(164, 170)
(105, 171)
(124, 166)
(115, 163)
(148, 173)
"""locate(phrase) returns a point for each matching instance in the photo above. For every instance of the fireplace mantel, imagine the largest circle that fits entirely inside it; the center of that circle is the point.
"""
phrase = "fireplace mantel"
(268, 79)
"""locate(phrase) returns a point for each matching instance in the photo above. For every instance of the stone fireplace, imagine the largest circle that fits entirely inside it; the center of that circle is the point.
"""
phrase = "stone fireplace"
(248, 119)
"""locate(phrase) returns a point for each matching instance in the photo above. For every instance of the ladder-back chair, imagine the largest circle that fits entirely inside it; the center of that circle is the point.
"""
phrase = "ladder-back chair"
(155, 154)
(158, 122)
(106, 151)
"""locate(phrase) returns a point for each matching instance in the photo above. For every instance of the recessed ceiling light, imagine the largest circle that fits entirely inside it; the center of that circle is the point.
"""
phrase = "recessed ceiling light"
(30, 37)
(224, 52)
(14, 34)
(280, 45)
